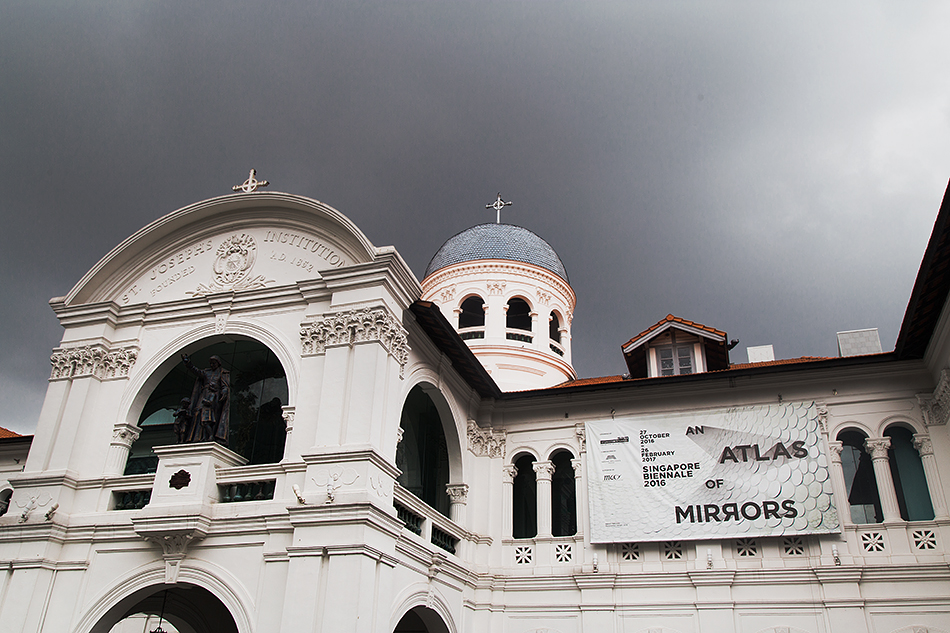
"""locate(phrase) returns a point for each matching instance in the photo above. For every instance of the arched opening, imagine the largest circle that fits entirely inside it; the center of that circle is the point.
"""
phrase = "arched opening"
(422, 456)
(863, 497)
(181, 608)
(518, 316)
(554, 328)
(5, 501)
(473, 312)
(258, 391)
(907, 471)
(421, 620)
(524, 514)
(563, 495)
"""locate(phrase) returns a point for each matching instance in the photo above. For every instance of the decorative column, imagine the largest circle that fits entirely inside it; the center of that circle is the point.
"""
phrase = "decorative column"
(839, 485)
(288, 415)
(122, 438)
(543, 472)
(937, 499)
(578, 465)
(882, 473)
(508, 473)
(458, 495)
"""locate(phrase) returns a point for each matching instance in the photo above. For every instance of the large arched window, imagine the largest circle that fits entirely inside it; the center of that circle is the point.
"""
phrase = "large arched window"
(473, 312)
(563, 496)
(910, 483)
(863, 498)
(258, 393)
(524, 515)
(422, 456)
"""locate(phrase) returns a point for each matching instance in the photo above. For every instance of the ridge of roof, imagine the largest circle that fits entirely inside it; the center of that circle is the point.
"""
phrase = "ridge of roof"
(5, 433)
(670, 318)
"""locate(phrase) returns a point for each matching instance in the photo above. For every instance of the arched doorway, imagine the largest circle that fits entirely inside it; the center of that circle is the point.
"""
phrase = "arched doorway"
(421, 620)
(182, 608)
(258, 391)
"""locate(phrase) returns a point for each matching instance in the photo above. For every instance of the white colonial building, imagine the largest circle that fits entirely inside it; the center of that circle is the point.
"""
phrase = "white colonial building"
(421, 457)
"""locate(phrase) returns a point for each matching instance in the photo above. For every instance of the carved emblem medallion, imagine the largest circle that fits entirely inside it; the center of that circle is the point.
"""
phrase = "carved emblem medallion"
(232, 266)
(180, 479)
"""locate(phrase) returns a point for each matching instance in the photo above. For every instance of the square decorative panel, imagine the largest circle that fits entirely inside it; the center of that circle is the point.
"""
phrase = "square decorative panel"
(563, 552)
(673, 550)
(630, 551)
(523, 555)
(925, 539)
(747, 547)
(793, 546)
(872, 541)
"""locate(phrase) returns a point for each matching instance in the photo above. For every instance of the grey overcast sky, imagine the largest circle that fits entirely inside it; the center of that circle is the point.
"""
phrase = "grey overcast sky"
(772, 169)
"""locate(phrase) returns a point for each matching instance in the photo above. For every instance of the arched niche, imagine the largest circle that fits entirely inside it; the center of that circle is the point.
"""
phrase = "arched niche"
(183, 608)
(524, 511)
(563, 494)
(258, 392)
(863, 498)
(907, 472)
(472, 312)
(429, 455)
(518, 314)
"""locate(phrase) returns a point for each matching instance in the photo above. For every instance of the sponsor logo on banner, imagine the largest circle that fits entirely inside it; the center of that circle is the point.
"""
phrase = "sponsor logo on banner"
(738, 472)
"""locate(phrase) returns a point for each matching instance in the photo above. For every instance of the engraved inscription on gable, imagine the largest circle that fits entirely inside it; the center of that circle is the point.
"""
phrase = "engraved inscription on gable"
(234, 261)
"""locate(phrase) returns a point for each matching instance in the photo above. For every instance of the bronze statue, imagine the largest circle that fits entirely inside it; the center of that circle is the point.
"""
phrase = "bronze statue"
(208, 414)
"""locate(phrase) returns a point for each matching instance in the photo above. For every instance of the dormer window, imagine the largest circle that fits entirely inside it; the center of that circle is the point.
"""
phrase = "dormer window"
(675, 360)
(676, 347)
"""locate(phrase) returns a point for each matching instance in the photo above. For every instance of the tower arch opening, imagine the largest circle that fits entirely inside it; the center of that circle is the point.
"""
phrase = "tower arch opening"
(518, 315)
(422, 456)
(258, 390)
(182, 608)
(524, 513)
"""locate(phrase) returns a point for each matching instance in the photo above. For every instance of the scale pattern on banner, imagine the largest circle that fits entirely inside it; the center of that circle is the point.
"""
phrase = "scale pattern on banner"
(746, 471)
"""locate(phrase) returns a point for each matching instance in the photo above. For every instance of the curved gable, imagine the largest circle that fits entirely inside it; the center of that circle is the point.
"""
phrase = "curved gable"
(231, 243)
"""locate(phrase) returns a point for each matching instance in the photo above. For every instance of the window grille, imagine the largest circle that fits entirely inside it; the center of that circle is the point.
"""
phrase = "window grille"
(872, 541)
(673, 550)
(523, 555)
(793, 546)
(630, 551)
(747, 547)
(563, 552)
(925, 539)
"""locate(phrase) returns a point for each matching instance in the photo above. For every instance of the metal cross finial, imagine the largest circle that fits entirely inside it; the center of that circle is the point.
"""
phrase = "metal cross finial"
(251, 184)
(497, 205)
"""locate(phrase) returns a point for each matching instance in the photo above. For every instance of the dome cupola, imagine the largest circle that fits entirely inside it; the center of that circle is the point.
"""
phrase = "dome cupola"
(507, 293)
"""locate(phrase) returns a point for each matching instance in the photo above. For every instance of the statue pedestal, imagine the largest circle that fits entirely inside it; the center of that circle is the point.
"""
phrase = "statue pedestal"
(184, 489)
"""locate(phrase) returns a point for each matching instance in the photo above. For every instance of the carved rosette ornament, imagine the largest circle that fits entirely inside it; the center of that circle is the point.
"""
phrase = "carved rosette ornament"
(485, 442)
(97, 361)
(232, 266)
(877, 447)
(357, 326)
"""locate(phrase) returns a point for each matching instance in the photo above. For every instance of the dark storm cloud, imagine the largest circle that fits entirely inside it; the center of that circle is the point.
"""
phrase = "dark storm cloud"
(769, 169)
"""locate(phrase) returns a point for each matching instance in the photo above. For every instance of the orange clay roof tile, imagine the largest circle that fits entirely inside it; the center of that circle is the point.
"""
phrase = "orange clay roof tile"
(5, 433)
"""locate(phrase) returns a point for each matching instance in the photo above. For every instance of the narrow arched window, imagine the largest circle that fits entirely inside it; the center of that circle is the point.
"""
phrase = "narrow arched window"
(524, 515)
(563, 496)
(554, 328)
(519, 315)
(863, 498)
(910, 483)
(473, 313)
(422, 456)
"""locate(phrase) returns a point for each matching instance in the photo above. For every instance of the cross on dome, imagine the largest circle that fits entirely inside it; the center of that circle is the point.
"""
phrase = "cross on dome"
(251, 184)
(497, 205)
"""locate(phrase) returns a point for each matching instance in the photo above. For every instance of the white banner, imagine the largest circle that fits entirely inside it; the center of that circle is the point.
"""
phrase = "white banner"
(739, 472)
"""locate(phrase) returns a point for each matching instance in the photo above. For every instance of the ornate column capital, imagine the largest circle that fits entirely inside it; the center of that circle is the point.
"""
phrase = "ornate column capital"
(99, 361)
(544, 470)
(835, 448)
(458, 493)
(124, 435)
(485, 442)
(399, 433)
(923, 444)
(578, 467)
(877, 447)
(509, 472)
(288, 415)
(357, 326)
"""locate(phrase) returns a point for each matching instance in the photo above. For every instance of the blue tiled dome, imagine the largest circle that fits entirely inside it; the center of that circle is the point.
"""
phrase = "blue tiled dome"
(497, 241)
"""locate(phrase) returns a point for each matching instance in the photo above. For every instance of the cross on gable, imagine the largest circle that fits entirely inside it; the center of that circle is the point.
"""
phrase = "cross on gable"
(251, 184)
